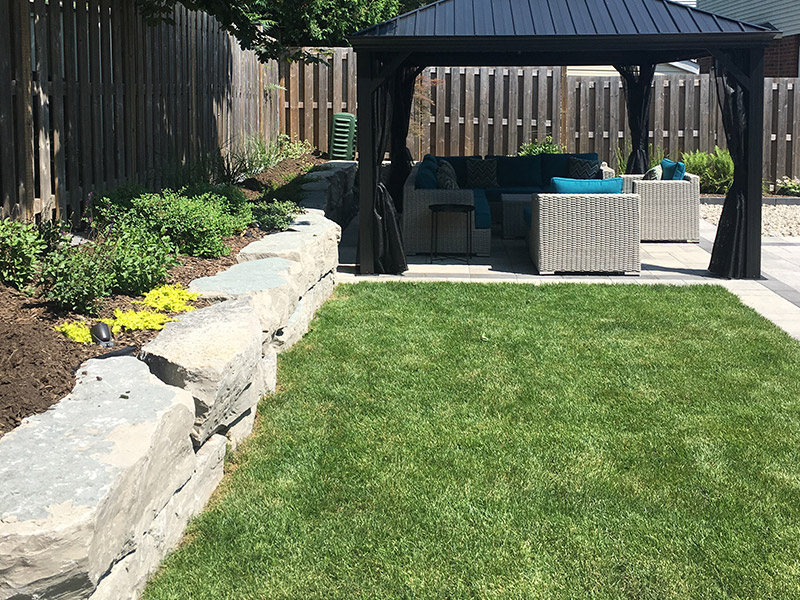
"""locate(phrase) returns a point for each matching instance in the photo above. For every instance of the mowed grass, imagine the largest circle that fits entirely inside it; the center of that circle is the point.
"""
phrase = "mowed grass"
(550, 442)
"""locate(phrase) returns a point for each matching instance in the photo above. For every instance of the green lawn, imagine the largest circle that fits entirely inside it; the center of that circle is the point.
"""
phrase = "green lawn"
(549, 442)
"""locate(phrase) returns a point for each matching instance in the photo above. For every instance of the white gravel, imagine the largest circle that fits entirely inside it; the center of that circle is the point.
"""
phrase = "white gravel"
(776, 221)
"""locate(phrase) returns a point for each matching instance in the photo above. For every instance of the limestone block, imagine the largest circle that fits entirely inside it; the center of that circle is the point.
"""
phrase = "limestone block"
(241, 428)
(271, 284)
(215, 355)
(128, 577)
(298, 323)
(312, 241)
(82, 481)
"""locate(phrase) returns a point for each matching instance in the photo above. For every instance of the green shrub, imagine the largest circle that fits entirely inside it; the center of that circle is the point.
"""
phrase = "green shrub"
(546, 146)
(195, 225)
(275, 215)
(75, 277)
(21, 247)
(788, 186)
(715, 169)
(140, 258)
(231, 200)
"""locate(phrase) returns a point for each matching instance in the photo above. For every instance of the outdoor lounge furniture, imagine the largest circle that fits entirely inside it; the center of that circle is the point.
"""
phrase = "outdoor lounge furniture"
(670, 209)
(416, 221)
(585, 233)
(437, 210)
(515, 175)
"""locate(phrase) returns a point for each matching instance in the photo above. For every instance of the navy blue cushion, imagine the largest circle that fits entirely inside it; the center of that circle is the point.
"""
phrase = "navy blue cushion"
(493, 194)
(483, 216)
(672, 170)
(562, 185)
(557, 165)
(518, 171)
(430, 158)
(426, 176)
(527, 215)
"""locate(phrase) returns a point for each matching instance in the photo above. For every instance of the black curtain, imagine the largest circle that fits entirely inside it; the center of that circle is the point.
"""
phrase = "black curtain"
(637, 82)
(728, 255)
(387, 243)
(403, 97)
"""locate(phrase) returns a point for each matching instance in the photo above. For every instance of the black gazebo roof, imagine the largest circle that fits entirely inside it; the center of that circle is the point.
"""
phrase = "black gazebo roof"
(669, 30)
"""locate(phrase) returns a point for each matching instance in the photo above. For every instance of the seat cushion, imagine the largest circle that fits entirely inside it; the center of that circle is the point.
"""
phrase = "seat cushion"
(493, 194)
(562, 185)
(671, 170)
(483, 216)
(527, 215)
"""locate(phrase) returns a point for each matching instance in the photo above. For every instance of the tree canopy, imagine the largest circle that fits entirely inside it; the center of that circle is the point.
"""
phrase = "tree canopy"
(278, 28)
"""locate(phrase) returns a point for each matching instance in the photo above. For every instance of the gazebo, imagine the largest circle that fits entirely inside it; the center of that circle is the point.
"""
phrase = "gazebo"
(632, 35)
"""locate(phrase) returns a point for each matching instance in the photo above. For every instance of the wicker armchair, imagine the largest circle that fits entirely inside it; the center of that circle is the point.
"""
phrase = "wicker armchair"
(670, 209)
(585, 233)
(416, 221)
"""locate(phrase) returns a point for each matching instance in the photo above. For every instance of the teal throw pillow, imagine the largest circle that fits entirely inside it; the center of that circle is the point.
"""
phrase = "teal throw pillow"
(671, 170)
(562, 185)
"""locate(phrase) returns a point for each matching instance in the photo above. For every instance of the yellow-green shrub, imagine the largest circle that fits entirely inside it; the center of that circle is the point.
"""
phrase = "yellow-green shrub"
(77, 331)
(169, 298)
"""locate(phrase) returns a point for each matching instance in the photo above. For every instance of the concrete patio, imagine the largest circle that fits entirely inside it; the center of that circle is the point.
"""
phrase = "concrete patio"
(776, 296)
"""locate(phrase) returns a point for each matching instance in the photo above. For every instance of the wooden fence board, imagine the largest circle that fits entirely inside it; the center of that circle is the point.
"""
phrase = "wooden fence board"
(8, 199)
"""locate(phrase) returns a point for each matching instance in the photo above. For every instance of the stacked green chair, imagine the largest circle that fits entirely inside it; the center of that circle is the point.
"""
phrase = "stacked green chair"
(342, 142)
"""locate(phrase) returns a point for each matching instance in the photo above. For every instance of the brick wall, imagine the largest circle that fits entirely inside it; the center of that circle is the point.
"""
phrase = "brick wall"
(780, 58)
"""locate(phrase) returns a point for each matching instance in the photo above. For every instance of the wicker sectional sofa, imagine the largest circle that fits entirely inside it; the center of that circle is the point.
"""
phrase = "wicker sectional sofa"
(515, 175)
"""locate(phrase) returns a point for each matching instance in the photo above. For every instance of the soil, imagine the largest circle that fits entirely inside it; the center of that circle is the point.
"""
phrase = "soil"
(273, 182)
(38, 364)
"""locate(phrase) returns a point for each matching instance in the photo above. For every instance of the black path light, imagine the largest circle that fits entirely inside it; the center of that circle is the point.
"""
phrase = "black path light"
(101, 334)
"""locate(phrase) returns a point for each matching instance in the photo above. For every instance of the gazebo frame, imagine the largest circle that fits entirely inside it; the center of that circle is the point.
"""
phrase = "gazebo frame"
(551, 32)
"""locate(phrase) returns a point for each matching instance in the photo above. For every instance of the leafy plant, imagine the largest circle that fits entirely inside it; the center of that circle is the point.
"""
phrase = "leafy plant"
(169, 298)
(141, 258)
(133, 320)
(231, 200)
(21, 247)
(276, 215)
(77, 331)
(715, 169)
(788, 186)
(194, 225)
(75, 277)
(545, 146)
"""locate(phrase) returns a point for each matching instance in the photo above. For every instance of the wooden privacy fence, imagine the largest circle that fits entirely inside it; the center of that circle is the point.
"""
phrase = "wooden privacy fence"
(90, 97)
(494, 110)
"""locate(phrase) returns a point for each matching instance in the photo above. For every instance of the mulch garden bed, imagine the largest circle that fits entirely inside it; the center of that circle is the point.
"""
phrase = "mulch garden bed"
(38, 364)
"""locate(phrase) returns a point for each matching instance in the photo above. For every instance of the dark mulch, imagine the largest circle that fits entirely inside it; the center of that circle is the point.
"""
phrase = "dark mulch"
(38, 364)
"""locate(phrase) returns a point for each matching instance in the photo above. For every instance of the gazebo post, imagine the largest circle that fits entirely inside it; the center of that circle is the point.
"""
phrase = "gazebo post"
(366, 161)
(755, 131)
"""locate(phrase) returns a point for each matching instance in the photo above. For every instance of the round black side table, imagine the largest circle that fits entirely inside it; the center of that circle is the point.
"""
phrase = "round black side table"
(436, 209)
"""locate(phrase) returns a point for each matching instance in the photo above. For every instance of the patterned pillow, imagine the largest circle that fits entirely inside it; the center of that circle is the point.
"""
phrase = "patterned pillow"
(481, 173)
(446, 176)
(653, 174)
(581, 168)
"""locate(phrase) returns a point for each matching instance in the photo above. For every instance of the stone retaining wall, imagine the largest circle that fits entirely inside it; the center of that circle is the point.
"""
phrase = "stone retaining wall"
(95, 491)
